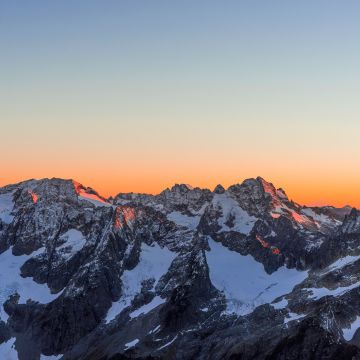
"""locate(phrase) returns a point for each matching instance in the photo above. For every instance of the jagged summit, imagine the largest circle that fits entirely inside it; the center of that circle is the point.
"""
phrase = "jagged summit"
(351, 224)
(219, 189)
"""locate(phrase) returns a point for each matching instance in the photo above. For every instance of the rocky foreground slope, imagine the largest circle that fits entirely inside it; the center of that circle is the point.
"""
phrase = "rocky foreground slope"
(241, 273)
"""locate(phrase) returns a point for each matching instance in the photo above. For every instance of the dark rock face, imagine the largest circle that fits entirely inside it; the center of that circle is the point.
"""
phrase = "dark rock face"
(219, 189)
(242, 273)
(351, 224)
(310, 341)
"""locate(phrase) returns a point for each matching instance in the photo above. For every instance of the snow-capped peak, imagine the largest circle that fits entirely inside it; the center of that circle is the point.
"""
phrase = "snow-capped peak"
(89, 194)
(182, 187)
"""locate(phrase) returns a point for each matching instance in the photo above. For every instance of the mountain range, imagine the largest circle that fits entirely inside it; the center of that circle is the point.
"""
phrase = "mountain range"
(237, 273)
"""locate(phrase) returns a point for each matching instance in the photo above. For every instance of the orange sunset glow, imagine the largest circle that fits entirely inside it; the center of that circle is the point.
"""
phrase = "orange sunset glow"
(179, 180)
(300, 188)
(129, 107)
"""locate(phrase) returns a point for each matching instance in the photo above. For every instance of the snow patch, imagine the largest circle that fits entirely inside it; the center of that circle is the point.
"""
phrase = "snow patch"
(342, 262)
(313, 244)
(293, 316)
(8, 351)
(320, 219)
(348, 333)
(131, 344)
(281, 194)
(156, 329)
(244, 281)
(232, 212)
(11, 281)
(282, 304)
(318, 293)
(74, 242)
(6, 207)
(50, 357)
(299, 219)
(190, 222)
(153, 263)
(156, 301)
(168, 343)
(92, 198)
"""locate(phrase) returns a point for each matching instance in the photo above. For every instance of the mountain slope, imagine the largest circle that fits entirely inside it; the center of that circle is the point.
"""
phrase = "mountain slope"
(237, 273)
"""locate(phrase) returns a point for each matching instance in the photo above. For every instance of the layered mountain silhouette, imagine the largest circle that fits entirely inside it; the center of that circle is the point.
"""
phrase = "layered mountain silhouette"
(190, 273)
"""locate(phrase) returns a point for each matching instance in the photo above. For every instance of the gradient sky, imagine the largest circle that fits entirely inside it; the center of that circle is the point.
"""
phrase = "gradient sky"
(138, 95)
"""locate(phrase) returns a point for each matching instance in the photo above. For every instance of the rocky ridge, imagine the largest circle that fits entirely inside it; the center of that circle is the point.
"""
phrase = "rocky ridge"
(190, 273)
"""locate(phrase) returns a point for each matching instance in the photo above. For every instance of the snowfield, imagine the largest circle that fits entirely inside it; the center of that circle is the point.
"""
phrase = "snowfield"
(131, 344)
(156, 301)
(349, 333)
(318, 293)
(6, 207)
(8, 351)
(231, 210)
(92, 198)
(342, 262)
(244, 281)
(11, 282)
(190, 222)
(154, 262)
(319, 218)
(74, 241)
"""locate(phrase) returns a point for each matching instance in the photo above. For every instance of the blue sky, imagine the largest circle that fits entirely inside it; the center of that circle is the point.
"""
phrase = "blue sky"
(205, 89)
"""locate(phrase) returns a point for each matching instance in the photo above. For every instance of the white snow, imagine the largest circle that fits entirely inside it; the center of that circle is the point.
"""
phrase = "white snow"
(283, 303)
(318, 293)
(320, 218)
(74, 242)
(348, 333)
(156, 301)
(191, 222)
(313, 243)
(131, 344)
(168, 343)
(7, 350)
(50, 357)
(6, 207)
(281, 194)
(293, 316)
(342, 262)
(11, 281)
(243, 222)
(93, 199)
(156, 329)
(244, 281)
(153, 263)
(283, 209)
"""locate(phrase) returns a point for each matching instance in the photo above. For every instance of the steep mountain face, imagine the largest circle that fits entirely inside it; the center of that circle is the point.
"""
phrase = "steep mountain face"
(351, 224)
(237, 273)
